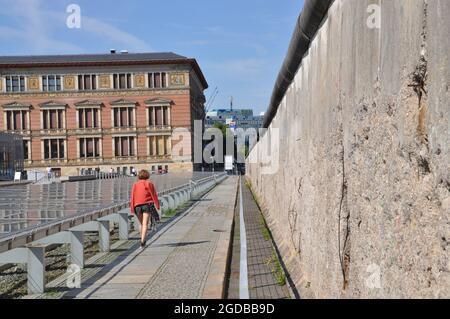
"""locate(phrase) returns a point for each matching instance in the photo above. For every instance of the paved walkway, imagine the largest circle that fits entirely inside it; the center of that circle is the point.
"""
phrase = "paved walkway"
(186, 258)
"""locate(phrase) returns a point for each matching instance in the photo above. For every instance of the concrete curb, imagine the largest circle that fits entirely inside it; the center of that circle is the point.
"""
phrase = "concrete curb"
(215, 285)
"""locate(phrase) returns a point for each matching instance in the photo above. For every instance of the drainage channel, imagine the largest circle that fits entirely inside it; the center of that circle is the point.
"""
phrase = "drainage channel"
(258, 268)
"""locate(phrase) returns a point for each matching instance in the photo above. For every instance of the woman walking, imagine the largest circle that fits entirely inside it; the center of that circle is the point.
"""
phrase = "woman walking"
(144, 201)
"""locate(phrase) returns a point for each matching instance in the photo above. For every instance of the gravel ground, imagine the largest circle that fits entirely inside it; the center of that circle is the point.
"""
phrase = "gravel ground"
(13, 281)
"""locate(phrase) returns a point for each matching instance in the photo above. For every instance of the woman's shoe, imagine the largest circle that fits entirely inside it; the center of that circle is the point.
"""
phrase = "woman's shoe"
(143, 244)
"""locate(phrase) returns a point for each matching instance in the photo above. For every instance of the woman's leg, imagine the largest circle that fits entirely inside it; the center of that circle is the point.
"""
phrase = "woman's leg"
(139, 217)
(144, 226)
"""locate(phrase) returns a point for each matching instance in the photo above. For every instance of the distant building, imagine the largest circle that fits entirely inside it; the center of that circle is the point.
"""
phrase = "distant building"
(103, 111)
(243, 118)
(11, 155)
(235, 119)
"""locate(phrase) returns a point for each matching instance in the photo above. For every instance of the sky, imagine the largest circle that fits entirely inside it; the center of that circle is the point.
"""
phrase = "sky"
(239, 44)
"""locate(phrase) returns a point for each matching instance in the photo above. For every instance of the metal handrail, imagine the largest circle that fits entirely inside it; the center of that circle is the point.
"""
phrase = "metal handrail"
(199, 182)
(41, 231)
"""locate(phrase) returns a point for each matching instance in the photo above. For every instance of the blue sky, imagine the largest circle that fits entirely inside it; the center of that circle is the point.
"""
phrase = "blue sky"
(239, 45)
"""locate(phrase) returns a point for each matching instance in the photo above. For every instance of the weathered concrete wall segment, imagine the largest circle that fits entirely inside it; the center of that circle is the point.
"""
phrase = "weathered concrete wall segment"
(363, 185)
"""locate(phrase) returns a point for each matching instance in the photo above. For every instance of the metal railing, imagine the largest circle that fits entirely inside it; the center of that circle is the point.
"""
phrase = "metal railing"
(28, 247)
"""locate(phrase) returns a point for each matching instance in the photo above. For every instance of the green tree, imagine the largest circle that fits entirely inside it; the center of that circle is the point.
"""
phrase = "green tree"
(222, 127)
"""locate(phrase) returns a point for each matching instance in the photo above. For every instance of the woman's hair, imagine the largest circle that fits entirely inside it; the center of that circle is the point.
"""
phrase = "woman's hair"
(144, 175)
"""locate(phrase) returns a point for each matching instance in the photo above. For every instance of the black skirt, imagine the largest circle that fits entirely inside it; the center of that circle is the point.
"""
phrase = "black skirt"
(147, 208)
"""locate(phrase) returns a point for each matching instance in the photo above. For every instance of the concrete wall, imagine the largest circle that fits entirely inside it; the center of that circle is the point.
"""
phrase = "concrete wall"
(363, 186)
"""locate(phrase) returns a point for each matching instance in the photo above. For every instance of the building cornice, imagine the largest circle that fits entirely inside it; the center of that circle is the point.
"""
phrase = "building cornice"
(52, 105)
(123, 103)
(103, 132)
(89, 104)
(94, 94)
(158, 102)
(16, 106)
(192, 62)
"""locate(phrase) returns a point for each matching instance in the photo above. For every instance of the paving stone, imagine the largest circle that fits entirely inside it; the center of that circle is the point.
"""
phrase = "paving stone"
(176, 264)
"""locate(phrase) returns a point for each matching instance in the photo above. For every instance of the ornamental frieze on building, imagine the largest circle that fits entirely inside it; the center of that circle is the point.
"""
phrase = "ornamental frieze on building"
(123, 103)
(158, 102)
(17, 106)
(91, 104)
(118, 93)
(53, 105)
(33, 83)
(177, 79)
(139, 80)
(101, 132)
(105, 81)
(69, 82)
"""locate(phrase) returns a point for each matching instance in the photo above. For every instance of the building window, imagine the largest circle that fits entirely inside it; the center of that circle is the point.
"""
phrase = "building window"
(159, 116)
(54, 149)
(157, 80)
(124, 146)
(159, 145)
(123, 117)
(51, 83)
(15, 83)
(89, 147)
(88, 118)
(53, 119)
(122, 81)
(26, 150)
(16, 120)
(87, 82)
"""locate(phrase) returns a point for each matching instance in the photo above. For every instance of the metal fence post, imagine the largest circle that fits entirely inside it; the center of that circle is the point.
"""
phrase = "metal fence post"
(171, 201)
(164, 204)
(104, 235)
(123, 226)
(36, 270)
(77, 248)
(136, 223)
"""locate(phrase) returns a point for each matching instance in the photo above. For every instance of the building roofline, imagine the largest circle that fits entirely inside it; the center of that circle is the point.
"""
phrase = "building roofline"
(21, 62)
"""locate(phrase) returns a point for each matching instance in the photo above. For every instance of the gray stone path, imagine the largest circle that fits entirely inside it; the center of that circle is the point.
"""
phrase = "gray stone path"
(177, 262)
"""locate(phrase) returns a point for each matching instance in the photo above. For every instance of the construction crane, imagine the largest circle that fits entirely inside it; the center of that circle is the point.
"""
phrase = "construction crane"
(211, 99)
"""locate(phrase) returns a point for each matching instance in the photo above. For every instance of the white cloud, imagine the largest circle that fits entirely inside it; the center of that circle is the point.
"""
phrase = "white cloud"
(32, 27)
(114, 34)
(215, 29)
(193, 43)
(35, 27)
(39, 45)
(235, 67)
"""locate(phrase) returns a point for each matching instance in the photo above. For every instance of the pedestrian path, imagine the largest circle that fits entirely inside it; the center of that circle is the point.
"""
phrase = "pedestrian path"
(186, 258)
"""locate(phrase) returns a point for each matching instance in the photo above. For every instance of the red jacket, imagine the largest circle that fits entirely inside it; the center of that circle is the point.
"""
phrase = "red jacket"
(143, 192)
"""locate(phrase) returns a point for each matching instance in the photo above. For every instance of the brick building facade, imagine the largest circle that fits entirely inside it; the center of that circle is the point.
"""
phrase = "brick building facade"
(87, 112)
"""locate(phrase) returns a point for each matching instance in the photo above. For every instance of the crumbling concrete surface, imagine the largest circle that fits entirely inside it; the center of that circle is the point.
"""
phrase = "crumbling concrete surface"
(360, 202)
